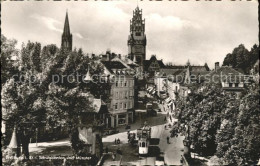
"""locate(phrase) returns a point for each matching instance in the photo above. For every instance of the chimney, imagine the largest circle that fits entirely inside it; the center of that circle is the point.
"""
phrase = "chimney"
(216, 66)
(119, 56)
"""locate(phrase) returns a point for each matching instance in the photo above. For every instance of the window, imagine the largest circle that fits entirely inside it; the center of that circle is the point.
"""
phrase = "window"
(117, 95)
(131, 94)
(130, 104)
(121, 83)
(143, 144)
(125, 105)
(121, 105)
(116, 84)
(116, 106)
(125, 83)
(230, 84)
(126, 94)
(138, 33)
(130, 84)
(236, 84)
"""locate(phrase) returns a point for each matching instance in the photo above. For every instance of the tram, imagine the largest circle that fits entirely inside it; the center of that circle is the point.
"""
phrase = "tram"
(144, 136)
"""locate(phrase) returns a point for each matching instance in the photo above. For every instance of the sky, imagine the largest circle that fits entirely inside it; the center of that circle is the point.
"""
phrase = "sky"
(176, 31)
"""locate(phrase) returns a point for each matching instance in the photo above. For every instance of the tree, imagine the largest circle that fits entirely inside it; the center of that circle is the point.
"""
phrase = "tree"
(241, 58)
(8, 52)
(238, 139)
(32, 99)
(220, 124)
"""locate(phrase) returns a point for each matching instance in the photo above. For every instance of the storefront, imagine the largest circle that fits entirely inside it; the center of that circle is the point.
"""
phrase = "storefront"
(121, 119)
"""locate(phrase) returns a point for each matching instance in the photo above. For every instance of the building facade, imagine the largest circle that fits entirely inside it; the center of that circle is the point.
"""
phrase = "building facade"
(122, 93)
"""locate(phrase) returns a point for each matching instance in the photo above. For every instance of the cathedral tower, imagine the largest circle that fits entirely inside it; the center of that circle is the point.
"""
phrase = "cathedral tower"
(66, 39)
(137, 39)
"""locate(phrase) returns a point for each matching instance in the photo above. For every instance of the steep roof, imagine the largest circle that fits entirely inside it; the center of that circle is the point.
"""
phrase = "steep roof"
(113, 65)
(147, 63)
(226, 74)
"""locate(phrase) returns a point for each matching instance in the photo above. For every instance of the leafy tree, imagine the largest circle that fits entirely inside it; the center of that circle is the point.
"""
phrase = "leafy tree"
(32, 99)
(238, 139)
(221, 124)
(8, 51)
(241, 58)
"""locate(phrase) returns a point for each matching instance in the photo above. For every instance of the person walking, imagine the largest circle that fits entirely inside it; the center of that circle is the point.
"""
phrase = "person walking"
(168, 140)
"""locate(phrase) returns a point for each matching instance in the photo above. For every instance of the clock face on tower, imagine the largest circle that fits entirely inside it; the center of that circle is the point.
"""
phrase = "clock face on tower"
(139, 49)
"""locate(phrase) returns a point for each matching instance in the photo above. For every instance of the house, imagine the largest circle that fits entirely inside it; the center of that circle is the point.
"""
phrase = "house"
(91, 133)
(229, 78)
(180, 78)
(153, 65)
(122, 92)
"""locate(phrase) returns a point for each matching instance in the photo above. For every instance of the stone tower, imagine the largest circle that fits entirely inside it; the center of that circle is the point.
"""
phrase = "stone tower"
(137, 38)
(66, 39)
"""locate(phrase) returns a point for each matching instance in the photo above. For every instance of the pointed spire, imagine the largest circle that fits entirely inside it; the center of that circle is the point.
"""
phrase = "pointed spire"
(188, 63)
(13, 143)
(66, 30)
(66, 38)
(87, 77)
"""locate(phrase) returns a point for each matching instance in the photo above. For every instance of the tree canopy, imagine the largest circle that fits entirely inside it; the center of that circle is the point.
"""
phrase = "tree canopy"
(221, 124)
(241, 58)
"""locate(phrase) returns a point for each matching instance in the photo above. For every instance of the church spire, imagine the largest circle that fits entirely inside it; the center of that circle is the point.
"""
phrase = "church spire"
(66, 40)
(66, 30)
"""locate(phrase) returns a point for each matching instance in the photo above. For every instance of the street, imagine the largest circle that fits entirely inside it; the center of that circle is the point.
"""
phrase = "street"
(171, 152)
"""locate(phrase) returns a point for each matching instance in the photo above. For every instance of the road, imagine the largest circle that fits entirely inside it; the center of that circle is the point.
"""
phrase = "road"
(172, 151)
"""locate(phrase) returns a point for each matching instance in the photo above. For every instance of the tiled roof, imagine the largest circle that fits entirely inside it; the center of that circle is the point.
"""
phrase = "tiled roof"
(175, 67)
(227, 74)
(110, 65)
(147, 63)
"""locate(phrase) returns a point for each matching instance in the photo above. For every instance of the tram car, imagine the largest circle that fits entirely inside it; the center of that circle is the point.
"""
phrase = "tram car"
(143, 145)
(144, 136)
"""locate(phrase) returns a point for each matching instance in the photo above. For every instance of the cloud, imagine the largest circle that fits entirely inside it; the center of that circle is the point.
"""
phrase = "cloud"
(170, 22)
(48, 22)
(78, 35)
(175, 31)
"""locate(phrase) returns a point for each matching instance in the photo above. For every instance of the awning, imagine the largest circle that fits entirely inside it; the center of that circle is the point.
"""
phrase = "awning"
(149, 88)
(168, 100)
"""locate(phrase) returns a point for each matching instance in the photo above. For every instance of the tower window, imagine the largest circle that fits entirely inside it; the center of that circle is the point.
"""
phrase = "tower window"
(138, 33)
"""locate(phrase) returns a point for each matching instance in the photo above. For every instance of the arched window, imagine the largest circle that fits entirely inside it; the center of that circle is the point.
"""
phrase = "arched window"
(143, 144)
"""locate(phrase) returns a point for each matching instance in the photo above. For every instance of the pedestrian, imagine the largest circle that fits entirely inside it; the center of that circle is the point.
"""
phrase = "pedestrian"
(113, 156)
(168, 138)
(118, 151)
(106, 149)
(165, 126)
(118, 141)
(115, 141)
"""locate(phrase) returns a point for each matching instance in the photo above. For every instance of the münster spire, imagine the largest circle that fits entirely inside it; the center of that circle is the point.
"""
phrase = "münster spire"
(66, 39)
